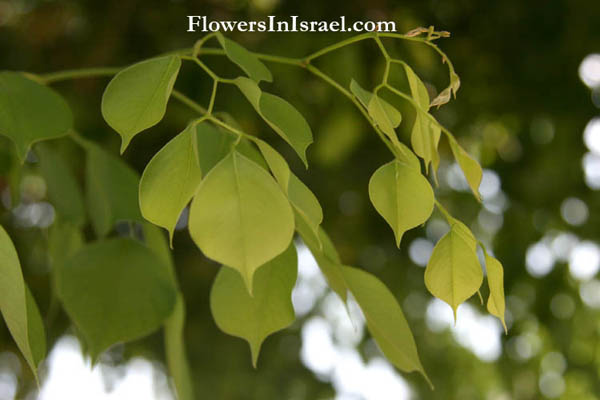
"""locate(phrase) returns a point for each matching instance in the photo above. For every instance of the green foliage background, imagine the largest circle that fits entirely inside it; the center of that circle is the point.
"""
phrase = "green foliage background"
(518, 64)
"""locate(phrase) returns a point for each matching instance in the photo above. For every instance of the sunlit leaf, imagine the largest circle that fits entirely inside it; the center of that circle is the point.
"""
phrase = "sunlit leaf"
(469, 166)
(495, 278)
(63, 190)
(240, 217)
(18, 306)
(111, 190)
(170, 181)
(364, 97)
(269, 310)
(30, 112)
(385, 320)
(453, 273)
(244, 59)
(115, 291)
(384, 119)
(280, 115)
(402, 196)
(136, 98)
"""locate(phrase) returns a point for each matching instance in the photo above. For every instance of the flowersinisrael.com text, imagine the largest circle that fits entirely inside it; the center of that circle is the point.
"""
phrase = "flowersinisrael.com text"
(200, 23)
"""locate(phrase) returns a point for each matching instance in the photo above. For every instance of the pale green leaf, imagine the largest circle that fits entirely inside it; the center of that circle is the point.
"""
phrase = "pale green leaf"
(111, 190)
(213, 145)
(240, 217)
(244, 59)
(175, 352)
(281, 116)
(402, 196)
(170, 181)
(364, 97)
(63, 189)
(18, 306)
(469, 166)
(385, 320)
(269, 310)
(136, 98)
(495, 278)
(453, 273)
(383, 118)
(115, 291)
(30, 112)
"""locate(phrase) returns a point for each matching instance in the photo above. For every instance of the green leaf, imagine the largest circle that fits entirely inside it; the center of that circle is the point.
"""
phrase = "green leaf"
(469, 166)
(213, 145)
(280, 115)
(18, 306)
(385, 320)
(175, 352)
(306, 206)
(269, 310)
(244, 59)
(136, 98)
(240, 217)
(402, 196)
(495, 278)
(111, 190)
(364, 97)
(30, 112)
(63, 189)
(453, 273)
(170, 181)
(384, 118)
(115, 290)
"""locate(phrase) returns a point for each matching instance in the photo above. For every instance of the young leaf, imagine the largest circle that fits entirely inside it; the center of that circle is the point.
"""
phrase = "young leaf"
(364, 97)
(240, 217)
(63, 189)
(469, 166)
(453, 273)
(136, 98)
(402, 196)
(386, 120)
(244, 59)
(115, 290)
(111, 190)
(18, 307)
(436, 133)
(495, 277)
(280, 115)
(385, 320)
(30, 112)
(175, 352)
(170, 181)
(269, 310)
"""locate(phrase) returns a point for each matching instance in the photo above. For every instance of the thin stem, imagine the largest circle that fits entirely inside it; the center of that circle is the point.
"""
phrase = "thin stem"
(338, 45)
(443, 210)
(58, 76)
(188, 102)
(213, 95)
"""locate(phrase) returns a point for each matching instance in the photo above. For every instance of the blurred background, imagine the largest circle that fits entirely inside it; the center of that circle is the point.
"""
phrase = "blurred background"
(528, 109)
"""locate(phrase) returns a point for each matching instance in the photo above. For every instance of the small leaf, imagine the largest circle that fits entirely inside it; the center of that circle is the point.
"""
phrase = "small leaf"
(240, 217)
(495, 277)
(30, 112)
(469, 166)
(63, 189)
(384, 119)
(111, 190)
(402, 196)
(269, 310)
(18, 307)
(244, 59)
(170, 181)
(281, 116)
(453, 273)
(364, 97)
(175, 352)
(385, 320)
(115, 291)
(136, 98)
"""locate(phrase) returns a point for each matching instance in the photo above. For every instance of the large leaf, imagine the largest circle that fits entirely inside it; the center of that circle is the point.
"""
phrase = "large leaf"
(30, 112)
(240, 217)
(111, 190)
(469, 166)
(495, 278)
(270, 309)
(18, 307)
(170, 181)
(244, 59)
(402, 196)
(136, 98)
(385, 320)
(116, 290)
(63, 189)
(280, 115)
(453, 273)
